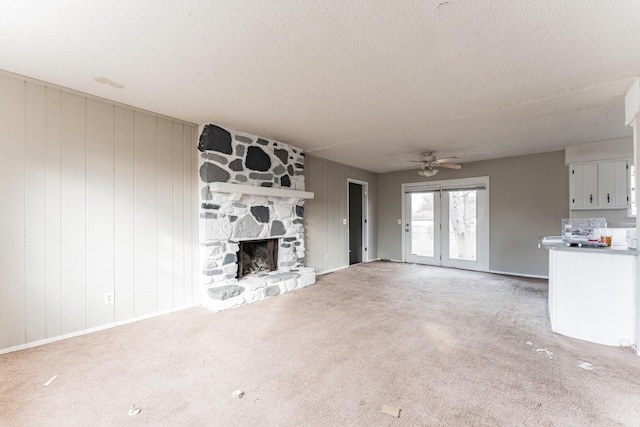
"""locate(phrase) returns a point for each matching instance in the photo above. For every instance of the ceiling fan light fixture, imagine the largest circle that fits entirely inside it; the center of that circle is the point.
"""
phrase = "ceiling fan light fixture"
(430, 164)
(428, 172)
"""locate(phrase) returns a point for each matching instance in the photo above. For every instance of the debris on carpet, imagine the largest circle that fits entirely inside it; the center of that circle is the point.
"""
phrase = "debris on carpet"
(586, 366)
(50, 381)
(391, 410)
(238, 394)
(133, 410)
(544, 351)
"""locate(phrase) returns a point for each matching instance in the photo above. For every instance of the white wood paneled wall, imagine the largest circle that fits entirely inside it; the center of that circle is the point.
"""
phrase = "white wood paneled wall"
(326, 237)
(95, 197)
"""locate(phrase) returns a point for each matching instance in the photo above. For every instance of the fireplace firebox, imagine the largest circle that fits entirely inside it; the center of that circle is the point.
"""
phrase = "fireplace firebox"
(256, 256)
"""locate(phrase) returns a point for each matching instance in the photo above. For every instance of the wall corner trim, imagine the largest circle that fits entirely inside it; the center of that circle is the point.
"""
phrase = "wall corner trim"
(632, 102)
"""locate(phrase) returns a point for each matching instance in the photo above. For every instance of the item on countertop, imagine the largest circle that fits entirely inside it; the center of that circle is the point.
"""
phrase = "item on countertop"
(579, 231)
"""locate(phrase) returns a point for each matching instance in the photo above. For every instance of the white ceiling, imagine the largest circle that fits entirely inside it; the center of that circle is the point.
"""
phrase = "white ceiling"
(366, 83)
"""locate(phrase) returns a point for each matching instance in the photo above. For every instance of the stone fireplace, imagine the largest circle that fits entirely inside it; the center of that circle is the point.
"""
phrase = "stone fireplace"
(251, 189)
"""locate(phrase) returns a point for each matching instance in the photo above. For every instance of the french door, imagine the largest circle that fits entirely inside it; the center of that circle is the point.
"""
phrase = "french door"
(447, 223)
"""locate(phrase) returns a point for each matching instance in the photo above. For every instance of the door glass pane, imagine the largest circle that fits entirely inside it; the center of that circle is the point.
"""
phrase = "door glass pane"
(422, 238)
(463, 225)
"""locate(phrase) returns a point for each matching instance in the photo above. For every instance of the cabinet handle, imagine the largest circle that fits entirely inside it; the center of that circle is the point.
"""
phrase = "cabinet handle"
(607, 197)
(590, 198)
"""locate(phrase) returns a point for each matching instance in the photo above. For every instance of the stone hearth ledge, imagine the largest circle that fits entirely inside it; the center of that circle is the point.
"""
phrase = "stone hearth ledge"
(255, 287)
(237, 190)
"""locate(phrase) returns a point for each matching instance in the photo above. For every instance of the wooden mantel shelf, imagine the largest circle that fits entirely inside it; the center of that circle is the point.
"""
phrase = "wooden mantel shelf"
(239, 189)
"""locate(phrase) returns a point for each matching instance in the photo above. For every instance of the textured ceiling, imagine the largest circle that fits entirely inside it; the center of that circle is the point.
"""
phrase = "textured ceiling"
(369, 84)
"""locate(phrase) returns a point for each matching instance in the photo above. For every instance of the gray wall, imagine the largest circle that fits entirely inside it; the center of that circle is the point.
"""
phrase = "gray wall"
(96, 198)
(529, 195)
(326, 236)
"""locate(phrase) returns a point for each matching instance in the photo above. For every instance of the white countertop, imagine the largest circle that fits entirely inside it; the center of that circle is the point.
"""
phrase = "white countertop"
(556, 243)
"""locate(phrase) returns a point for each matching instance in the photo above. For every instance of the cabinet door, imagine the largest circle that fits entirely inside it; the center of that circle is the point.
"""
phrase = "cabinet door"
(576, 179)
(613, 184)
(590, 177)
(622, 184)
(606, 184)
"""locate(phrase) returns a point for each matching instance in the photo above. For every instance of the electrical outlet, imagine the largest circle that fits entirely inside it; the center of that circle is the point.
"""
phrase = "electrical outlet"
(344, 221)
(108, 298)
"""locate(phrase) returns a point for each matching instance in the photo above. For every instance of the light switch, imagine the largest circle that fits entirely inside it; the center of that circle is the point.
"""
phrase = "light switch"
(399, 222)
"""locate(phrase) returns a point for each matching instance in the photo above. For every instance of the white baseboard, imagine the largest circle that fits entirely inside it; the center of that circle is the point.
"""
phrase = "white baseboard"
(320, 273)
(506, 273)
(91, 330)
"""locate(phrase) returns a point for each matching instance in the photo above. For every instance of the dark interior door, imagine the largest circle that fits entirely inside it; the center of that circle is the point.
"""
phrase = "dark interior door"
(355, 223)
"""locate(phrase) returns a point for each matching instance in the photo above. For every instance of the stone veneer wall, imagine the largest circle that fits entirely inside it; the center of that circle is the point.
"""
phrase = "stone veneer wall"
(249, 160)
(227, 218)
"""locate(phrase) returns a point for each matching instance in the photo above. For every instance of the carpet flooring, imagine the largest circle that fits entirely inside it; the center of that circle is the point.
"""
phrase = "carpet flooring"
(447, 347)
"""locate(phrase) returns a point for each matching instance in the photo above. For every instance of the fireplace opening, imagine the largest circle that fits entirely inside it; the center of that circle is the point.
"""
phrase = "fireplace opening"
(257, 256)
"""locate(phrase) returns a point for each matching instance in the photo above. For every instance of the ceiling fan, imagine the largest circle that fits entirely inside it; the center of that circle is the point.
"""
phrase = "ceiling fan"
(430, 164)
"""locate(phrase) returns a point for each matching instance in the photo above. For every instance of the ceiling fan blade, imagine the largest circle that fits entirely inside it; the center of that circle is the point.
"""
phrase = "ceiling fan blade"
(416, 161)
(449, 166)
(448, 159)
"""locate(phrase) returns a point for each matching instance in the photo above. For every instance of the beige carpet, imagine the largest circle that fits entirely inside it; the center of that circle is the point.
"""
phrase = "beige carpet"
(447, 347)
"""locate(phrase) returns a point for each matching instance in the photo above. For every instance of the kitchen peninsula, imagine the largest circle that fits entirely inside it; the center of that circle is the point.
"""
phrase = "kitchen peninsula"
(592, 291)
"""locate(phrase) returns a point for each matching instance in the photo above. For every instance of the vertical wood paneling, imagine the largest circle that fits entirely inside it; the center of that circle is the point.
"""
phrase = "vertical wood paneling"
(309, 219)
(124, 294)
(343, 253)
(327, 182)
(73, 213)
(146, 215)
(12, 214)
(372, 241)
(186, 229)
(35, 207)
(326, 237)
(324, 223)
(96, 198)
(338, 227)
(100, 211)
(53, 238)
(194, 216)
(178, 214)
(312, 218)
(165, 214)
(334, 216)
(189, 209)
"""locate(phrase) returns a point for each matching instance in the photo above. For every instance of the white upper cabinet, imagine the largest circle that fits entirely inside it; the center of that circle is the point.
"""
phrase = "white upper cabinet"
(583, 179)
(599, 185)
